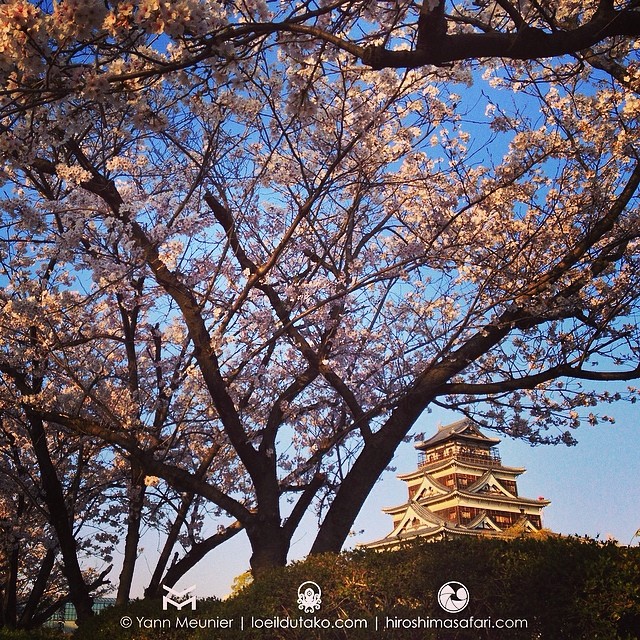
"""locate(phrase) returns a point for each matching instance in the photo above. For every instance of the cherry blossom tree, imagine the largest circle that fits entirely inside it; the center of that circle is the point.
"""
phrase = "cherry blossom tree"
(49, 520)
(283, 233)
(60, 346)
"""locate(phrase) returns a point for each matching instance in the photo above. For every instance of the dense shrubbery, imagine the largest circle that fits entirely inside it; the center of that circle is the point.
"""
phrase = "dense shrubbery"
(36, 634)
(571, 589)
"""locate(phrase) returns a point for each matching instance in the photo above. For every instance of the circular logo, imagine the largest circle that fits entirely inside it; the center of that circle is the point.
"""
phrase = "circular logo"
(453, 597)
(309, 597)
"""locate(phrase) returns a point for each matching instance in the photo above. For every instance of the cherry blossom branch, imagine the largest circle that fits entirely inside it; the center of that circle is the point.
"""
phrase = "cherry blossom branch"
(257, 274)
(518, 314)
(528, 43)
(175, 476)
(533, 381)
(302, 505)
(184, 298)
(597, 232)
(197, 552)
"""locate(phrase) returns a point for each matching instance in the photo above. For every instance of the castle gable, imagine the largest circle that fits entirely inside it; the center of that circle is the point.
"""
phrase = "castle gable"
(417, 518)
(489, 484)
(429, 488)
(482, 522)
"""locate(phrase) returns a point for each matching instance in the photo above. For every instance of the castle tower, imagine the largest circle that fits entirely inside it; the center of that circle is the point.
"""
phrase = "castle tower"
(461, 487)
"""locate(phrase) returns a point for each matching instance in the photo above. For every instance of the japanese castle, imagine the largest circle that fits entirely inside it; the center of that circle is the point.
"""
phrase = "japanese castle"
(461, 488)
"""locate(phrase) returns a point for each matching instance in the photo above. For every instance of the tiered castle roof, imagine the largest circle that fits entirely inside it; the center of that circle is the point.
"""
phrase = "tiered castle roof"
(461, 488)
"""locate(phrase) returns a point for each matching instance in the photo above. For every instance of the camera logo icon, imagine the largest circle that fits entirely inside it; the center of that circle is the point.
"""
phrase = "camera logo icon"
(453, 597)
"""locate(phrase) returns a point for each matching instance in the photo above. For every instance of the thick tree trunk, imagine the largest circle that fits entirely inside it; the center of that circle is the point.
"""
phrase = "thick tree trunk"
(39, 587)
(10, 588)
(134, 518)
(60, 520)
(154, 584)
(269, 540)
(361, 478)
(270, 548)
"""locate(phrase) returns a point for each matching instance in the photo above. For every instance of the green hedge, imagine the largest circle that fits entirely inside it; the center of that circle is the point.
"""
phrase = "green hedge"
(564, 588)
(36, 634)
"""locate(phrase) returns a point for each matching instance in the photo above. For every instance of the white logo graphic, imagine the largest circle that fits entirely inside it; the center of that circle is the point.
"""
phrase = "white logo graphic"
(453, 597)
(309, 597)
(181, 596)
